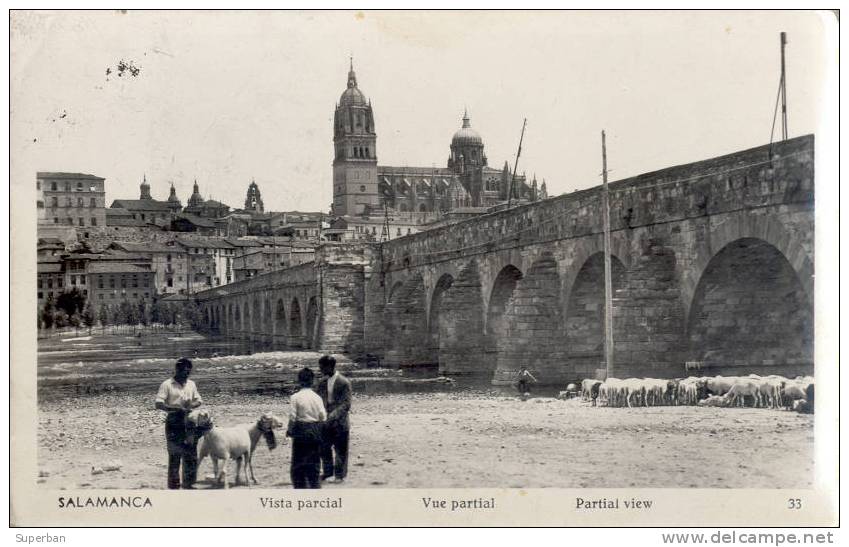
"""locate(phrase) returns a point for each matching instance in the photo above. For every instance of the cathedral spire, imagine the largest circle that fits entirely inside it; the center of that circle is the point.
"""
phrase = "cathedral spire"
(352, 77)
(466, 117)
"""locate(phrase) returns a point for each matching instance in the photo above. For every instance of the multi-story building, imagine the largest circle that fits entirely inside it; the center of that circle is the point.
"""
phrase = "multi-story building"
(107, 277)
(114, 281)
(267, 259)
(376, 227)
(50, 279)
(209, 261)
(70, 199)
(168, 262)
(147, 209)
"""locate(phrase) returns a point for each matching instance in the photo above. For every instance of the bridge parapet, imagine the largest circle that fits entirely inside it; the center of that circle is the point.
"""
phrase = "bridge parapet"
(780, 174)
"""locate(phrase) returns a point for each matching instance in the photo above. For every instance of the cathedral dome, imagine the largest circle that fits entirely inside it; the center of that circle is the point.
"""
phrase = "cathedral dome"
(466, 135)
(352, 96)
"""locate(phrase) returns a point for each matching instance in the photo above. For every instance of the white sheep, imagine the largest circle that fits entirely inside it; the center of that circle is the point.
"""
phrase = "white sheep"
(238, 443)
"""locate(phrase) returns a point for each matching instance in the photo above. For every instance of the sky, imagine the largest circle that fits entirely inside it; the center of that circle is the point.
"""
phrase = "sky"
(230, 97)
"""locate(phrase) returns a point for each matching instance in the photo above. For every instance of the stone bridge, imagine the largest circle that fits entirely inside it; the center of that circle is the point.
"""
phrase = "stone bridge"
(712, 263)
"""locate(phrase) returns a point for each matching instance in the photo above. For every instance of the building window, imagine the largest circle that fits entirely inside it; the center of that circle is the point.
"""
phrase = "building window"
(39, 204)
(68, 187)
(123, 282)
(53, 186)
(170, 282)
(82, 280)
(80, 202)
(82, 221)
(54, 201)
(50, 283)
(67, 202)
(93, 221)
(79, 187)
(38, 185)
(55, 220)
(99, 281)
(362, 188)
(93, 202)
(73, 280)
(111, 281)
(40, 295)
(60, 282)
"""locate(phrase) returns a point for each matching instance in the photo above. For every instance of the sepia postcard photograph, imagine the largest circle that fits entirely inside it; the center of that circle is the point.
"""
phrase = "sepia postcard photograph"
(433, 268)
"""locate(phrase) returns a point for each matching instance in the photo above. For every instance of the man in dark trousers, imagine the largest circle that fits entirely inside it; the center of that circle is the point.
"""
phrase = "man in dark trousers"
(335, 391)
(306, 421)
(178, 396)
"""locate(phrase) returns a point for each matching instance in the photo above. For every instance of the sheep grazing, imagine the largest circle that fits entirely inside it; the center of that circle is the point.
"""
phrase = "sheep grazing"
(237, 443)
(715, 400)
(752, 390)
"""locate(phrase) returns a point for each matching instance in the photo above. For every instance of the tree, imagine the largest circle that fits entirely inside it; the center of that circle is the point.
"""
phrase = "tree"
(71, 302)
(88, 316)
(143, 313)
(60, 318)
(48, 312)
(103, 315)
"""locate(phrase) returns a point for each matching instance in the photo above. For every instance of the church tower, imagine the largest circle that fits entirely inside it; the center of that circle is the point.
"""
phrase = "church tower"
(355, 153)
(144, 188)
(173, 201)
(253, 201)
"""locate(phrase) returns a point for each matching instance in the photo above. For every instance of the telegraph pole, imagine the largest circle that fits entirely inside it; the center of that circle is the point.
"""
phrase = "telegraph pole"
(516, 165)
(783, 89)
(608, 282)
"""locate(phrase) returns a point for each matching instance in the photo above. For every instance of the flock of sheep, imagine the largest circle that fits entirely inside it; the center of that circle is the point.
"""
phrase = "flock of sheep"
(723, 391)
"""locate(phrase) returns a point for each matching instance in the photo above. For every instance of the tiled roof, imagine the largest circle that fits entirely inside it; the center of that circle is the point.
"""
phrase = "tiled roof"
(147, 247)
(141, 205)
(116, 267)
(60, 175)
(196, 220)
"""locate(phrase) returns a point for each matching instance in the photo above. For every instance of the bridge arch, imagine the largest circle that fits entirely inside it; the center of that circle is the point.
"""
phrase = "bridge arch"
(742, 226)
(280, 330)
(256, 315)
(435, 314)
(406, 323)
(584, 320)
(312, 319)
(296, 329)
(751, 313)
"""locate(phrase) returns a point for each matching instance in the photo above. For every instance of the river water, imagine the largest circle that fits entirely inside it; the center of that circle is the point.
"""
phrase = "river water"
(80, 364)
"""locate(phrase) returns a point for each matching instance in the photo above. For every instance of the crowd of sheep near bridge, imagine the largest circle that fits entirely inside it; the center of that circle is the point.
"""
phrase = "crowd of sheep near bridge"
(718, 391)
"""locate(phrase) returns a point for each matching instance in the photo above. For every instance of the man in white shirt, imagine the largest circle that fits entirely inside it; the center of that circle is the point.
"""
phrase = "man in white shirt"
(177, 396)
(306, 423)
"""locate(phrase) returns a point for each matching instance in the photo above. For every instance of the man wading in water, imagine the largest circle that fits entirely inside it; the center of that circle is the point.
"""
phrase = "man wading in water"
(178, 396)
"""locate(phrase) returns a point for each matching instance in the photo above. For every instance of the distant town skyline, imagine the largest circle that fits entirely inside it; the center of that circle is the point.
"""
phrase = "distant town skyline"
(225, 98)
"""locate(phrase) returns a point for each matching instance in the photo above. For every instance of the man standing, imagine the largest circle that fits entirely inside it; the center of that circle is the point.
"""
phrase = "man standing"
(306, 421)
(335, 391)
(178, 396)
(523, 382)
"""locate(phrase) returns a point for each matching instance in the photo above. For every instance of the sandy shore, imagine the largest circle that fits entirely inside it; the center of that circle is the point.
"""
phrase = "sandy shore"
(458, 439)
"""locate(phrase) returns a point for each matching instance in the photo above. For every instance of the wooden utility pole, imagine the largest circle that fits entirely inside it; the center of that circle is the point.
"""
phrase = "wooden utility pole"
(608, 282)
(516, 165)
(783, 89)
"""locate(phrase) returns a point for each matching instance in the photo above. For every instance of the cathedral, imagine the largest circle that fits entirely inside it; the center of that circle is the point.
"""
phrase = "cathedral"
(362, 187)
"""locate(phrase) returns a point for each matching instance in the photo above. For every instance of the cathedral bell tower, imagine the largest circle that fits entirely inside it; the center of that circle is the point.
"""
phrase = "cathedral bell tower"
(355, 153)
